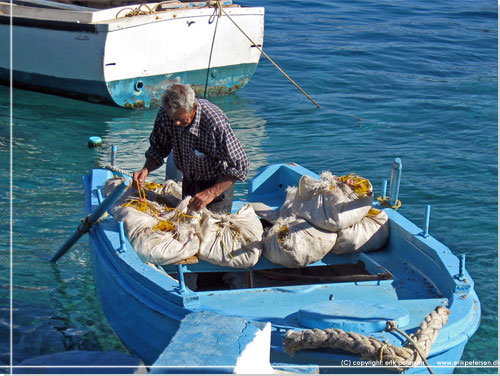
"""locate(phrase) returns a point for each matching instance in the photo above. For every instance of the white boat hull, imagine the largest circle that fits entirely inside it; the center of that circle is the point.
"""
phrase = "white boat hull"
(129, 61)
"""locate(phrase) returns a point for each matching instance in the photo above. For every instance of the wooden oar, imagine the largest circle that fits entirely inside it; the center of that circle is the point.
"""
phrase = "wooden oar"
(92, 218)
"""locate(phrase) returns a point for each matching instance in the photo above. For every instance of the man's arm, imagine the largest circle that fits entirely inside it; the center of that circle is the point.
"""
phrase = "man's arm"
(203, 198)
(141, 175)
(159, 148)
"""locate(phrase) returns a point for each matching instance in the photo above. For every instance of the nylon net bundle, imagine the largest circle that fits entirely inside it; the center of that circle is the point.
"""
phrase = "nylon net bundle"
(160, 234)
(369, 234)
(233, 240)
(333, 214)
(333, 203)
(163, 230)
(294, 242)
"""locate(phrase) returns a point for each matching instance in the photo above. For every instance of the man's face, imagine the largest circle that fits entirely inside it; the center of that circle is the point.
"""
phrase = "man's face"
(181, 118)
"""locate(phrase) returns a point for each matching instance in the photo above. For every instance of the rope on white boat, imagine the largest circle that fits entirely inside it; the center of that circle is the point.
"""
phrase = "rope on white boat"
(411, 355)
(136, 11)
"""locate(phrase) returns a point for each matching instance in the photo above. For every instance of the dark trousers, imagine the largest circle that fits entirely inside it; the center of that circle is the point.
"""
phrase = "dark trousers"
(220, 204)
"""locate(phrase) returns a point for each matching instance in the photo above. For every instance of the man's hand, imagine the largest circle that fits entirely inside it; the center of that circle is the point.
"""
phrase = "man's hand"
(201, 199)
(140, 177)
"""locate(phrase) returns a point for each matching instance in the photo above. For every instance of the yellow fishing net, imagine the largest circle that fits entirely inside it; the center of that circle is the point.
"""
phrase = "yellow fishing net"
(283, 233)
(360, 185)
(141, 204)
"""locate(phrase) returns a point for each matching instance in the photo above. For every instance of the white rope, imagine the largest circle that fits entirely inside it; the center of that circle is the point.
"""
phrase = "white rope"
(370, 348)
(117, 169)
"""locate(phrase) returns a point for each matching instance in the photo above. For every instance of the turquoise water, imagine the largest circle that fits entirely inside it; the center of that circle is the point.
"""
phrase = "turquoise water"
(409, 79)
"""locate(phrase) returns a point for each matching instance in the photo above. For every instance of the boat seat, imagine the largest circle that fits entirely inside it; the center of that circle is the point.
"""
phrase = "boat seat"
(202, 266)
(189, 260)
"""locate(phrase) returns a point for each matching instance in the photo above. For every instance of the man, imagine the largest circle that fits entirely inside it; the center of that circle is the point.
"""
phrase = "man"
(205, 149)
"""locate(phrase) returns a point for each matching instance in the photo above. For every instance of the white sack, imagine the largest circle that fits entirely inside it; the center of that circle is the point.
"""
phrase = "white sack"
(370, 234)
(294, 242)
(168, 193)
(286, 209)
(112, 183)
(169, 187)
(162, 247)
(329, 203)
(233, 240)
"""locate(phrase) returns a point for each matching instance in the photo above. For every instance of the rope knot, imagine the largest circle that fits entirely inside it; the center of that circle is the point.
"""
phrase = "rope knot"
(391, 325)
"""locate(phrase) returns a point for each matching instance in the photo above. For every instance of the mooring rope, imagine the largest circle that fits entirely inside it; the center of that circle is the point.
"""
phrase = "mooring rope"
(269, 58)
(217, 13)
(369, 348)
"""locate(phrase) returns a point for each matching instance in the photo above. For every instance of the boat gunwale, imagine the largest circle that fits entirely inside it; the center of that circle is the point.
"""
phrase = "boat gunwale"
(108, 16)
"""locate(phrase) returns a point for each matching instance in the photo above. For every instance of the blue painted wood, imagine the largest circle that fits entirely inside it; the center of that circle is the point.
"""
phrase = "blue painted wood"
(229, 79)
(427, 220)
(207, 342)
(384, 188)
(353, 315)
(269, 186)
(395, 180)
(145, 306)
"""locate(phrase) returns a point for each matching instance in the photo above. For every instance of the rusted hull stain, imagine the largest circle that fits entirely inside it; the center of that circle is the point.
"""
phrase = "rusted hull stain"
(145, 92)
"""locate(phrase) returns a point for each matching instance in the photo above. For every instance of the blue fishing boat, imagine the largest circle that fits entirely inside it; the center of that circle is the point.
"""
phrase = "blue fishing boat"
(381, 302)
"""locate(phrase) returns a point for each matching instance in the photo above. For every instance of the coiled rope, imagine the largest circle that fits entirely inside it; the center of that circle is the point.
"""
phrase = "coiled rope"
(385, 202)
(137, 11)
(411, 355)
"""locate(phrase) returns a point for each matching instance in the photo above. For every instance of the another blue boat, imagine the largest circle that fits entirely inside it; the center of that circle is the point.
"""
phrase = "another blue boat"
(405, 281)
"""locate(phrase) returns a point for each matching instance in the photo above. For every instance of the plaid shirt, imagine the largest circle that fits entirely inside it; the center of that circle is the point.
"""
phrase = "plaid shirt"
(205, 150)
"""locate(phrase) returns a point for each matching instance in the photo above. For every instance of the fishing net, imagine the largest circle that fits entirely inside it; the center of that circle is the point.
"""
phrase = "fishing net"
(333, 203)
(369, 234)
(169, 187)
(294, 242)
(233, 240)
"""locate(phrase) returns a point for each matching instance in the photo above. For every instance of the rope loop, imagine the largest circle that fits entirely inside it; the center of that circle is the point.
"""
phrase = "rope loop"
(136, 11)
(392, 326)
(384, 201)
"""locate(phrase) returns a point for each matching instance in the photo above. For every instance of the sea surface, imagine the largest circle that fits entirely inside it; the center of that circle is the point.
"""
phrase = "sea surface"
(409, 79)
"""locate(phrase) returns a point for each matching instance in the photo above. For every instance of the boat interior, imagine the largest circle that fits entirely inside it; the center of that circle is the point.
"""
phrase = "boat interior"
(405, 276)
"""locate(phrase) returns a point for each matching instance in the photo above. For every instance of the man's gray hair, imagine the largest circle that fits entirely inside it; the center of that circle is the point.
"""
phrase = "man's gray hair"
(178, 96)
